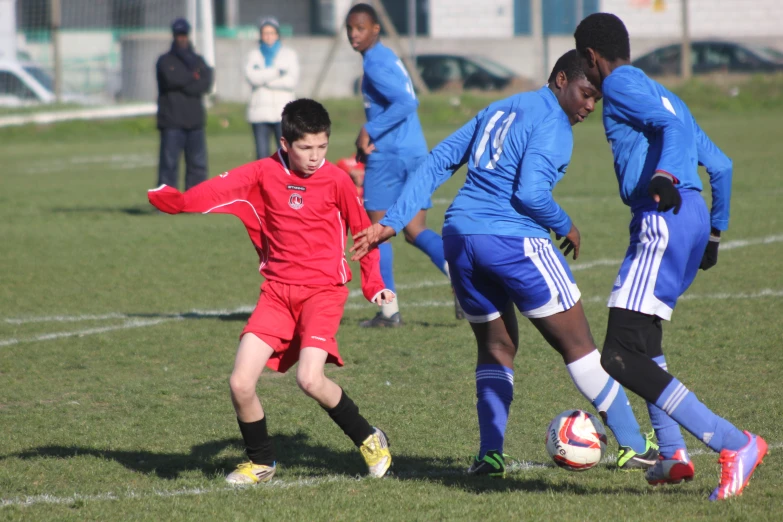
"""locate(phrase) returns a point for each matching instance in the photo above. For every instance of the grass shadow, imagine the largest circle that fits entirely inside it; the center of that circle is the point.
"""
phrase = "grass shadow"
(300, 456)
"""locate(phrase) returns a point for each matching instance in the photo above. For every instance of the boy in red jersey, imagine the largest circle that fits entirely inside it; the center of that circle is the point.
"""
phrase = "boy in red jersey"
(296, 208)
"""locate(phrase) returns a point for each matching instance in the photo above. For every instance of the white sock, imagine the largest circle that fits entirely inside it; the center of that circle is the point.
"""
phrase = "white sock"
(588, 375)
(389, 309)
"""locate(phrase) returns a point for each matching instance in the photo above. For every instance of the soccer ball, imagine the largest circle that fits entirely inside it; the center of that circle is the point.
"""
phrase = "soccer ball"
(576, 440)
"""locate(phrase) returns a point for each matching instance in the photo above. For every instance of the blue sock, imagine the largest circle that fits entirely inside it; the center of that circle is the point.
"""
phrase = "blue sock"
(683, 406)
(620, 417)
(667, 431)
(608, 397)
(387, 266)
(431, 244)
(495, 391)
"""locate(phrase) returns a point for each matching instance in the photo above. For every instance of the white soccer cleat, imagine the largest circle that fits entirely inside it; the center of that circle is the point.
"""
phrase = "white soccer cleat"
(249, 473)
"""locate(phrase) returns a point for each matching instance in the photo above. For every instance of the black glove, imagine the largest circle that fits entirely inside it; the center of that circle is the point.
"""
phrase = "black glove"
(663, 187)
(710, 257)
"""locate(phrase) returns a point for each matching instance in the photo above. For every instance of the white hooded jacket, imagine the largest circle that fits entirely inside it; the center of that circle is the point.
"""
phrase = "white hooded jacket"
(272, 87)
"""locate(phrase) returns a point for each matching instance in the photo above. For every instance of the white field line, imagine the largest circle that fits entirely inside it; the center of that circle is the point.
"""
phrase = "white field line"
(134, 323)
(742, 243)
(137, 323)
(514, 466)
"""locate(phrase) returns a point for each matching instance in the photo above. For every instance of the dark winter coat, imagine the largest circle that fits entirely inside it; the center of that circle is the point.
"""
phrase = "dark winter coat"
(183, 78)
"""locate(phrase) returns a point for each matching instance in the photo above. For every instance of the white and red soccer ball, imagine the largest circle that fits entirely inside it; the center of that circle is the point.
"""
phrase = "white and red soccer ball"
(576, 440)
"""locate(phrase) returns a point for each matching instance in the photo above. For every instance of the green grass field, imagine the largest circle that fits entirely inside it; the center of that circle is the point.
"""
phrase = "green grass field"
(118, 328)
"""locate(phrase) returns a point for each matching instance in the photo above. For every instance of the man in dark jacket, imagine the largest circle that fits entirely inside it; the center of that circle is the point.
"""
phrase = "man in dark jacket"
(183, 78)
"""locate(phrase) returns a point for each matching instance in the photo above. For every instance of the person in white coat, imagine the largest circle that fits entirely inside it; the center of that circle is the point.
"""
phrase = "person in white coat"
(273, 73)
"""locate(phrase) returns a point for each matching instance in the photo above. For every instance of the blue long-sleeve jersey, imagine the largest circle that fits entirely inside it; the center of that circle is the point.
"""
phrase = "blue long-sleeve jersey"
(516, 149)
(390, 105)
(649, 129)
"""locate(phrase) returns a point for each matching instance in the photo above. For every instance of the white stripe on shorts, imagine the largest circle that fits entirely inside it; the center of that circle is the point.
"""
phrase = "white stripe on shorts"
(556, 270)
(637, 291)
(564, 293)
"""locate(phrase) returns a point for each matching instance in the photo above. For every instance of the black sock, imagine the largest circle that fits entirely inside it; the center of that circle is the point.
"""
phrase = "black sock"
(258, 445)
(346, 415)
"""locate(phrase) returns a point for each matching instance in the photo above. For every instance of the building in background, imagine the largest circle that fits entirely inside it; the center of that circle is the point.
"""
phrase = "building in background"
(105, 43)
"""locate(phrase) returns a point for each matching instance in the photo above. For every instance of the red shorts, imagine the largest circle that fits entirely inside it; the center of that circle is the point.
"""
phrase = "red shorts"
(291, 317)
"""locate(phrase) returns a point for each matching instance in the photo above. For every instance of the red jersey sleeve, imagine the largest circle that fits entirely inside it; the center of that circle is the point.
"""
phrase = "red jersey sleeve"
(356, 217)
(236, 192)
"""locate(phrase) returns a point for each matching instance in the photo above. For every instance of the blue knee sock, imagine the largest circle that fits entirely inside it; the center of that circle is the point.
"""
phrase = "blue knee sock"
(387, 268)
(431, 244)
(495, 391)
(683, 406)
(619, 416)
(667, 431)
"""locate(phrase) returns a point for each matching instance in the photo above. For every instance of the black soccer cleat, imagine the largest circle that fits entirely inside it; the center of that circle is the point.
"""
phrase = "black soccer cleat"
(381, 321)
(629, 460)
(492, 464)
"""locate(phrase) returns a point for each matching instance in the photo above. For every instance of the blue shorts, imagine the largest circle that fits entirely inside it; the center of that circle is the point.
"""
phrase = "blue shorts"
(385, 178)
(489, 271)
(664, 256)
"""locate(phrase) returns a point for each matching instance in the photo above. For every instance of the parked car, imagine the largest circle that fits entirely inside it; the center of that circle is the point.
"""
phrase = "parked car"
(26, 83)
(712, 56)
(443, 71)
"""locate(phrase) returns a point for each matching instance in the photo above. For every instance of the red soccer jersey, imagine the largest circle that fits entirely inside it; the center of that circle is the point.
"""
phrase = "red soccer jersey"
(297, 224)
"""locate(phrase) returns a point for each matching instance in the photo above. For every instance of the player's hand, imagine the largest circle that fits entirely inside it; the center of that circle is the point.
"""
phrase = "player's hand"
(663, 192)
(384, 296)
(571, 242)
(710, 257)
(368, 239)
(363, 146)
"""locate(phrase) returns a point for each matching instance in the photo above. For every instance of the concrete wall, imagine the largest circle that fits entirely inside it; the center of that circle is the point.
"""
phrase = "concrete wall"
(727, 19)
(471, 19)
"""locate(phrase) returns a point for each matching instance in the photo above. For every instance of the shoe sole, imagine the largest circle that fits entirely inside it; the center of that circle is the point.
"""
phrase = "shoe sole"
(638, 465)
(380, 325)
(669, 482)
(680, 477)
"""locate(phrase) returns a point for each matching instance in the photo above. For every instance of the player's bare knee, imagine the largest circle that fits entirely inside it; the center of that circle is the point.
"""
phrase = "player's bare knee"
(501, 347)
(309, 382)
(242, 388)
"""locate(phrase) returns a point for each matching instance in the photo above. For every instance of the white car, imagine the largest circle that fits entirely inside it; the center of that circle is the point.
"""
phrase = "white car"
(26, 83)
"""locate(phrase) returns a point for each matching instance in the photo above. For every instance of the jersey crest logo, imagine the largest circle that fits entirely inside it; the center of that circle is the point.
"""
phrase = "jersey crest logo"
(224, 175)
(295, 201)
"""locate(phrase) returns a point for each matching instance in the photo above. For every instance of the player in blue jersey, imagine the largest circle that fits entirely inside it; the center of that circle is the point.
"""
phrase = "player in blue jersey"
(657, 147)
(496, 241)
(392, 145)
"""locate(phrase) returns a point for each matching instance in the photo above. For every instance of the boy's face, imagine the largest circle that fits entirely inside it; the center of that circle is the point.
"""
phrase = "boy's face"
(307, 153)
(577, 97)
(362, 32)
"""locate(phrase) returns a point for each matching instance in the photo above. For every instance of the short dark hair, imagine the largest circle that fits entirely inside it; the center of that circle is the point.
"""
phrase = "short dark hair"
(304, 116)
(366, 9)
(606, 34)
(572, 64)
